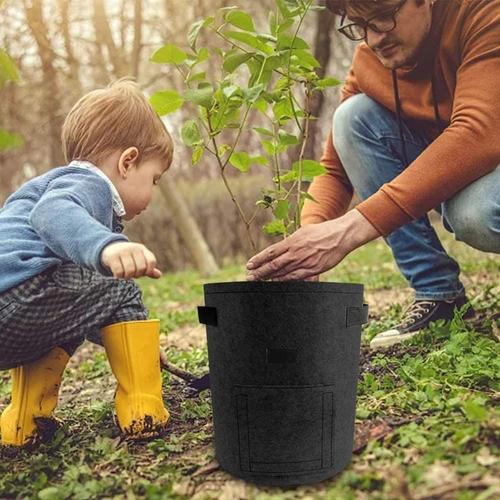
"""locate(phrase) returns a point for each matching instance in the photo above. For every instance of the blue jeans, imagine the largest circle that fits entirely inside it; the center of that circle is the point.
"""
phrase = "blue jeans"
(367, 140)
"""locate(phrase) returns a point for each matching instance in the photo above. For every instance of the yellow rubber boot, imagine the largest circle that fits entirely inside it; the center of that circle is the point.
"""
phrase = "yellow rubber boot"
(133, 350)
(35, 391)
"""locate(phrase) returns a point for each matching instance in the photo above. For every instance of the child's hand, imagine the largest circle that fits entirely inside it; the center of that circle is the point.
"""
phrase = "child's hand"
(129, 260)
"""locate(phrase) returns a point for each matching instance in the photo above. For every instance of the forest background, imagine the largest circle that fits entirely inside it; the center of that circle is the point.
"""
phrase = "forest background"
(65, 48)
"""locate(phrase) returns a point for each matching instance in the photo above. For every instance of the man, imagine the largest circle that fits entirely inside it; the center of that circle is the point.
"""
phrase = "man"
(417, 130)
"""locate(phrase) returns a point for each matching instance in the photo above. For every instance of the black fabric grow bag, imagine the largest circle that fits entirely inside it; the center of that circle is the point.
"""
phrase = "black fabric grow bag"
(283, 360)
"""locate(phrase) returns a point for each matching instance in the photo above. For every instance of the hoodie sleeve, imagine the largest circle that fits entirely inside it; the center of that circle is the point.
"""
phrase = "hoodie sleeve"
(70, 218)
(469, 147)
(332, 190)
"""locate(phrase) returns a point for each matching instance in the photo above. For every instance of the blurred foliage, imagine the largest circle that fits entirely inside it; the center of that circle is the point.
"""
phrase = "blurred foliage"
(8, 73)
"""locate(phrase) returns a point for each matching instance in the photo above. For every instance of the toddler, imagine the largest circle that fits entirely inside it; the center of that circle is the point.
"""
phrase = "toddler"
(66, 267)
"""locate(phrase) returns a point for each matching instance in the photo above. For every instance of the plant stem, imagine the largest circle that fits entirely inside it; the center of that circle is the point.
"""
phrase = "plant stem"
(228, 187)
(299, 25)
(302, 152)
(277, 161)
(240, 130)
(243, 122)
(256, 211)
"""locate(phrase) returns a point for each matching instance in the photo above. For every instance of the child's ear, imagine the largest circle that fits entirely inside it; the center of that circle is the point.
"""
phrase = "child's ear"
(128, 159)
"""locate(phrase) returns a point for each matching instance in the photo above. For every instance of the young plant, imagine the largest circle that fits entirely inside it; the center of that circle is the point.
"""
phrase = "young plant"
(253, 77)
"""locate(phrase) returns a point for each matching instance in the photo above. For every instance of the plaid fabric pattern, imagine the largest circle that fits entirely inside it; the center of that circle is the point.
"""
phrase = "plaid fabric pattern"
(62, 306)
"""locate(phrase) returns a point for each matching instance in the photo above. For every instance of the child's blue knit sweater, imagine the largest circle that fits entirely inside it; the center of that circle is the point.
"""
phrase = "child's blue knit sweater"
(63, 215)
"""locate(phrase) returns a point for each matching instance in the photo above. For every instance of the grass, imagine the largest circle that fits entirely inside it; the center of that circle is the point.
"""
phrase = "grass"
(438, 394)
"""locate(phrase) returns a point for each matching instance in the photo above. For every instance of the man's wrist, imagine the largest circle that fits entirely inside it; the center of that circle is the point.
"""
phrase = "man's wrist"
(357, 230)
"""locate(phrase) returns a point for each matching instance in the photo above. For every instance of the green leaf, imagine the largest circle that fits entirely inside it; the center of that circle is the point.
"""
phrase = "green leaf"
(287, 139)
(305, 59)
(240, 19)
(166, 101)
(275, 227)
(190, 133)
(260, 104)
(196, 77)
(253, 93)
(474, 410)
(223, 149)
(241, 161)
(197, 154)
(233, 61)
(285, 12)
(230, 90)
(50, 493)
(283, 110)
(259, 160)
(203, 54)
(201, 96)
(249, 39)
(327, 82)
(310, 168)
(273, 23)
(307, 196)
(269, 147)
(264, 131)
(169, 54)
(9, 140)
(195, 28)
(8, 70)
(286, 42)
(270, 64)
(281, 210)
(285, 26)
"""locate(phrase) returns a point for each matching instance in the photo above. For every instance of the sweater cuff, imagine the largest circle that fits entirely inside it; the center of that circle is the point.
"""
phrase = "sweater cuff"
(311, 219)
(383, 213)
(116, 238)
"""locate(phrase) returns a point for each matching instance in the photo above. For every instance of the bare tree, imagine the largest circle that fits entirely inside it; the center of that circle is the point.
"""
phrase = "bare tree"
(104, 36)
(73, 74)
(51, 108)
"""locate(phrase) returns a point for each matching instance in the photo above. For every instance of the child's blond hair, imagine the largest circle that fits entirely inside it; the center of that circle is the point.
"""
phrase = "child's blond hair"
(115, 118)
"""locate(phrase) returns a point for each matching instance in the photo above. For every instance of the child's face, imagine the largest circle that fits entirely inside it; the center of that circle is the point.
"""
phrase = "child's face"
(136, 188)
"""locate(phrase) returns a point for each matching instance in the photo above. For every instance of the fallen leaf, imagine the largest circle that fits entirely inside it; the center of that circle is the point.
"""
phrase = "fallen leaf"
(369, 430)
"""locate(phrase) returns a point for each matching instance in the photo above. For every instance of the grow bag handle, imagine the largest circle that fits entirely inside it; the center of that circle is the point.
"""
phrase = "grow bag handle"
(207, 315)
(354, 315)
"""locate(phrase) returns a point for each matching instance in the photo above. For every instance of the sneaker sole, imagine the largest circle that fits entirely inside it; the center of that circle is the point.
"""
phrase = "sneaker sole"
(391, 340)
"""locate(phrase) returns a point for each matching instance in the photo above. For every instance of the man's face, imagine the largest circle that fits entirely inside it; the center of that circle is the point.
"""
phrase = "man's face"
(401, 46)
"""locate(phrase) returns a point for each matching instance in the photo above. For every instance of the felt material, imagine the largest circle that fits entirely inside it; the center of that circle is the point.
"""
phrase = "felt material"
(283, 374)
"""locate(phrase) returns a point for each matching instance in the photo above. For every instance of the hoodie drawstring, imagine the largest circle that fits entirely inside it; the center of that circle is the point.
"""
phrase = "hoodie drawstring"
(399, 114)
(442, 125)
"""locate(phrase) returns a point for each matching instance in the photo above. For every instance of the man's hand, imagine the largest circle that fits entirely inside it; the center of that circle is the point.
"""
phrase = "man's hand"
(312, 250)
(129, 260)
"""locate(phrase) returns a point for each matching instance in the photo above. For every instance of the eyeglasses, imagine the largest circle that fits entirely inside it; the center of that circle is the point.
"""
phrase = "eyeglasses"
(381, 23)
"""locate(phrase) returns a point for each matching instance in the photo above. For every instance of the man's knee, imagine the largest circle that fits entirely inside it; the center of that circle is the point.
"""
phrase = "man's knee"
(351, 118)
(477, 224)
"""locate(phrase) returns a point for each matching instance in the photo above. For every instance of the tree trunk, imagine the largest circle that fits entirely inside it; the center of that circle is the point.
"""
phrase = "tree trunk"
(190, 233)
(105, 37)
(322, 52)
(136, 49)
(51, 107)
(73, 64)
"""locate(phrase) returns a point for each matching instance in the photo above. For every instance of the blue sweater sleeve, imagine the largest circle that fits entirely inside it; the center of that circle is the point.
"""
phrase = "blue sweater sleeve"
(71, 218)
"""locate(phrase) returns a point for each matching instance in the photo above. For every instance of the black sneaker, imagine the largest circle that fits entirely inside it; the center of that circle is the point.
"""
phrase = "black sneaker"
(418, 316)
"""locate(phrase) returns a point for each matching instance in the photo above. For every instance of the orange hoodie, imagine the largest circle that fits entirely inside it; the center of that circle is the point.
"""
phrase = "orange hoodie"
(462, 56)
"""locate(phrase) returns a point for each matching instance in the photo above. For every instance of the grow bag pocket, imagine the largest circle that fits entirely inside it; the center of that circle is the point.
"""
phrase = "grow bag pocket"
(284, 429)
